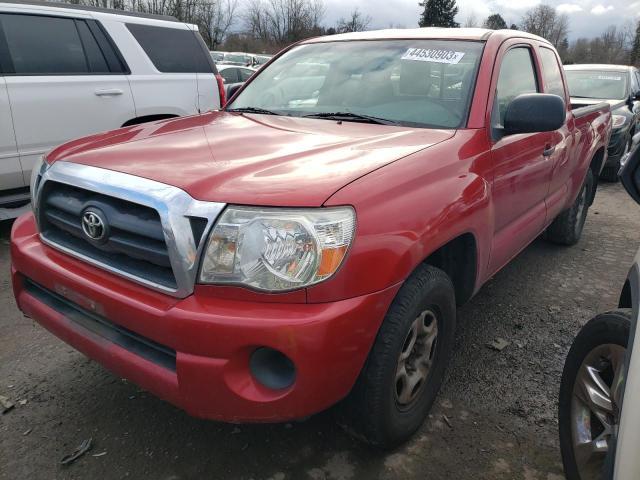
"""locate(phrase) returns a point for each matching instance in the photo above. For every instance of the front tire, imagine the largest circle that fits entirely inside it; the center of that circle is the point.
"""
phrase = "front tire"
(589, 404)
(567, 228)
(406, 365)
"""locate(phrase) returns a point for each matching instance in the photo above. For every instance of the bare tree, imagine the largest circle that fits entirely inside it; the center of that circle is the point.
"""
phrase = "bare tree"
(613, 46)
(545, 22)
(472, 21)
(356, 22)
(215, 18)
(281, 22)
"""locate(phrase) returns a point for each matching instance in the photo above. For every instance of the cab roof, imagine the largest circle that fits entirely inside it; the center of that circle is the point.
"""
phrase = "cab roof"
(477, 34)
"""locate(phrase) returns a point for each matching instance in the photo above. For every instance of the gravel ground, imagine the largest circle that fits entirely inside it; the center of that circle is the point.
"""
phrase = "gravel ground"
(495, 417)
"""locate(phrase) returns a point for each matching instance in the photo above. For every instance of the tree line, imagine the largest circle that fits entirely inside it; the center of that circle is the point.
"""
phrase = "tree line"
(268, 25)
(616, 45)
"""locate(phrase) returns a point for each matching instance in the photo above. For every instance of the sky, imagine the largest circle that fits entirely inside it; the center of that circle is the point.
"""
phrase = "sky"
(587, 18)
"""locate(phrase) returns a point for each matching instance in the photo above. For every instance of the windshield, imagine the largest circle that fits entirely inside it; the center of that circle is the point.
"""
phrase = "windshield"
(410, 82)
(603, 85)
(261, 60)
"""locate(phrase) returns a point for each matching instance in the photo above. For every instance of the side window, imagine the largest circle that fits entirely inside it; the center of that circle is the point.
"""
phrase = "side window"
(551, 72)
(517, 76)
(245, 74)
(229, 75)
(635, 82)
(172, 50)
(95, 57)
(41, 45)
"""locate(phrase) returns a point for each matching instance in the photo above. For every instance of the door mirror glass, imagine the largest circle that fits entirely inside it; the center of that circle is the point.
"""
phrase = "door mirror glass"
(630, 171)
(533, 113)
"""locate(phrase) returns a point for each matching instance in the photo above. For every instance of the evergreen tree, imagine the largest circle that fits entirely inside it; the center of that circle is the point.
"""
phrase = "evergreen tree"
(439, 13)
(635, 50)
(495, 22)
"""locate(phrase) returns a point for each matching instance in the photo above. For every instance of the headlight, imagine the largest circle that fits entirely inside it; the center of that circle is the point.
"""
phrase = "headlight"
(619, 121)
(276, 249)
(39, 168)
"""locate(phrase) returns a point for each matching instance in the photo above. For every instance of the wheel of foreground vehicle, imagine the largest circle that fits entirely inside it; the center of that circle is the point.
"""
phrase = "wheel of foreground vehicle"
(405, 367)
(589, 394)
(566, 229)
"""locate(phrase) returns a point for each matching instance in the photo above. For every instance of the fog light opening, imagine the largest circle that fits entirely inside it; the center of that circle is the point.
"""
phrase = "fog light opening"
(272, 369)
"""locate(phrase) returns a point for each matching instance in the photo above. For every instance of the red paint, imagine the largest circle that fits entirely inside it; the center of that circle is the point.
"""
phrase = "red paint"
(413, 190)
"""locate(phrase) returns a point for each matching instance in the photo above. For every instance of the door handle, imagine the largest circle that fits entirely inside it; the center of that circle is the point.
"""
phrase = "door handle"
(108, 92)
(548, 150)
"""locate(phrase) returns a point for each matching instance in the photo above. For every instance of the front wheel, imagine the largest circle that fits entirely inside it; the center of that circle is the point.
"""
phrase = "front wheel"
(406, 365)
(589, 394)
(567, 228)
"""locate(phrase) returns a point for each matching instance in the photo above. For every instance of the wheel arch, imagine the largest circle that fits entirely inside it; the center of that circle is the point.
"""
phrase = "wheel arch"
(458, 258)
(626, 300)
(148, 118)
(596, 165)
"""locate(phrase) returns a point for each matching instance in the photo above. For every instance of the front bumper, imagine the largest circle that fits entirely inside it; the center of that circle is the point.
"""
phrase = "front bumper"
(195, 352)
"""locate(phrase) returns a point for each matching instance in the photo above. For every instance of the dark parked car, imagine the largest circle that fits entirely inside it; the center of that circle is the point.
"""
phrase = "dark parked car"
(620, 86)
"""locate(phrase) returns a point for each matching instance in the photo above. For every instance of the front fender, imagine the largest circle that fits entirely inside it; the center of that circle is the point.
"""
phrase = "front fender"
(407, 210)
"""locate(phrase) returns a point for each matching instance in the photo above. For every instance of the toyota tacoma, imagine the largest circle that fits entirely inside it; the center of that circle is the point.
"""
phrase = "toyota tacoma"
(308, 245)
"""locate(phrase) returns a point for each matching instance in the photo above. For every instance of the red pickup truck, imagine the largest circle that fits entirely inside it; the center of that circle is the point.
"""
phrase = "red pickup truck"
(309, 244)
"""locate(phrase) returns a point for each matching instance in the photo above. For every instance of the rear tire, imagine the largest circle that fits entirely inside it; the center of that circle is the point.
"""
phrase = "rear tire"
(610, 174)
(601, 340)
(567, 228)
(406, 365)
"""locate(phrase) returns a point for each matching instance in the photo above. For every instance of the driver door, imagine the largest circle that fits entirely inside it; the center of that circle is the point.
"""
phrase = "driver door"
(521, 163)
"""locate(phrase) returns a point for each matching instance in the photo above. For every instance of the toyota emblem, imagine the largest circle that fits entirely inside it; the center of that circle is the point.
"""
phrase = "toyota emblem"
(94, 225)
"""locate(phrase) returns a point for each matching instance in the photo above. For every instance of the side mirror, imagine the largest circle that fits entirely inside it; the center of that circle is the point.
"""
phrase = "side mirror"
(231, 91)
(534, 113)
(630, 171)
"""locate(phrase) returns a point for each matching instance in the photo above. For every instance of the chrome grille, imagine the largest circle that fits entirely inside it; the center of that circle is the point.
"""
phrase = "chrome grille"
(135, 243)
(155, 231)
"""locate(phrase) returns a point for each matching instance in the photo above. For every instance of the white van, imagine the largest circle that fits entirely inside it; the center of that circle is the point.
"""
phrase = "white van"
(69, 71)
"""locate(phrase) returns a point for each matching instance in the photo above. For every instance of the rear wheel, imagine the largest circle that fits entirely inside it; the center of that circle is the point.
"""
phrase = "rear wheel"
(589, 394)
(610, 173)
(567, 228)
(405, 367)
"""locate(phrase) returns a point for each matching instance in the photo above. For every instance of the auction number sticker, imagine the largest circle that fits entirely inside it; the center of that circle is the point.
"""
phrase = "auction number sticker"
(609, 77)
(433, 55)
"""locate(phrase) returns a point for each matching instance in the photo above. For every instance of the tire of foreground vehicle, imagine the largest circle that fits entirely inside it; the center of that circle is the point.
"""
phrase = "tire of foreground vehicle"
(567, 228)
(607, 332)
(406, 365)
(610, 174)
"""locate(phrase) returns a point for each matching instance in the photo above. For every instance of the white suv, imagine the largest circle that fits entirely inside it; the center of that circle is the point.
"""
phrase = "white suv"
(73, 71)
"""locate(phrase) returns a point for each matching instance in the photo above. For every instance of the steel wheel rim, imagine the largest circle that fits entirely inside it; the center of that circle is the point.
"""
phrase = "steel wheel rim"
(416, 358)
(594, 408)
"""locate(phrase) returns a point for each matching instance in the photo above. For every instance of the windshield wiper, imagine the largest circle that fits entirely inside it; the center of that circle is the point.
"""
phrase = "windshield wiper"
(350, 116)
(251, 110)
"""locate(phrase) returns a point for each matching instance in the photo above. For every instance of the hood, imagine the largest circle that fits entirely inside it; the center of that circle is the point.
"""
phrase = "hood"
(251, 159)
